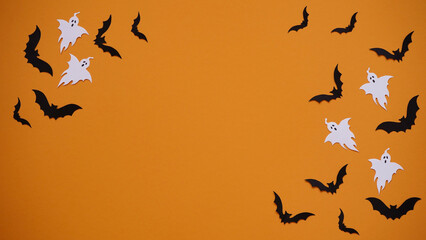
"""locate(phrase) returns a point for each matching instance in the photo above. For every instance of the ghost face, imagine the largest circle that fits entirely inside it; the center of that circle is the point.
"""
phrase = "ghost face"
(386, 157)
(372, 77)
(332, 126)
(85, 63)
(74, 20)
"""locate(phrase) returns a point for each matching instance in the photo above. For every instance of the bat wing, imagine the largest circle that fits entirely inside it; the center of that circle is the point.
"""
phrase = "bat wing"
(16, 114)
(112, 51)
(383, 52)
(303, 24)
(379, 206)
(322, 97)
(42, 101)
(279, 204)
(349, 28)
(411, 112)
(104, 28)
(392, 127)
(67, 110)
(296, 28)
(337, 80)
(353, 20)
(318, 184)
(343, 227)
(340, 175)
(100, 40)
(340, 30)
(300, 216)
(31, 54)
(405, 43)
(135, 30)
(408, 205)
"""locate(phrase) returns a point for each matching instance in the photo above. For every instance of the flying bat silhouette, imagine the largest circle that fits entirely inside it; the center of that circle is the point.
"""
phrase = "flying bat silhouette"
(286, 217)
(135, 30)
(52, 111)
(331, 186)
(404, 122)
(335, 93)
(31, 54)
(393, 212)
(343, 227)
(304, 22)
(347, 29)
(397, 55)
(16, 114)
(100, 40)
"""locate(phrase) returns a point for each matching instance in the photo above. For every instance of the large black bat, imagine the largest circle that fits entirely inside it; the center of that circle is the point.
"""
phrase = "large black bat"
(335, 93)
(397, 55)
(404, 122)
(52, 111)
(393, 212)
(135, 30)
(286, 217)
(343, 227)
(16, 114)
(304, 22)
(31, 54)
(331, 186)
(100, 40)
(349, 28)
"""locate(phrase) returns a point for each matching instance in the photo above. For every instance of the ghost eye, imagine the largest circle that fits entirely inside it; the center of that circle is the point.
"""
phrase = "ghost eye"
(374, 81)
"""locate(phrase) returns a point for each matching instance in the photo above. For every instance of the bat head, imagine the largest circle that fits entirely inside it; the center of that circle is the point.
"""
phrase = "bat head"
(372, 77)
(393, 207)
(53, 106)
(332, 126)
(74, 20)
(85, 63)
(386, 157)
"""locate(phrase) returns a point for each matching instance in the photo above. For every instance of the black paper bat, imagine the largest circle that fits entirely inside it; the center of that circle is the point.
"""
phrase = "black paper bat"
(31, 54)
(335, 93)
(52, 111)
(393, 212)
(331, 186)
(16, 114)
(100, 40)
(286, 217)
(404, 122)
(135, 30)
(304, 22)
(343, 227)
(397, 55)
(347, 29)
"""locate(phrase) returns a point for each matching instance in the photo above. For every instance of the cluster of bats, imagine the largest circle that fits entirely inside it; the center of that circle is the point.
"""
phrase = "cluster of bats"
(403, 124)
(32, 56)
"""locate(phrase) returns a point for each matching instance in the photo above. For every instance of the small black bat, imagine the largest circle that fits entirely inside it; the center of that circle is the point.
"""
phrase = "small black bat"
(335, 93)
(31, 54)
(16, 114)
(135, 30)
(347, 29)
(393, 212)
(343, 227)
(397, 55)
(286, 217)
(304, 22)
(331, 186)
(100, 40)
(52, 111)
(404, 122)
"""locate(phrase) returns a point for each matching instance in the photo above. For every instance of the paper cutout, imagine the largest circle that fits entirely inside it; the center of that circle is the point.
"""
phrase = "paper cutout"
(397, 55)
(52, 111)
(404, 122)
(335, 93)
(100, 40)
(31, 54)
(77, 71)
(135, 30)
(343, 227)
(70, 31)
(349, 28)
(377, 87)
(16, 114)
(393, 212)
(341, 134)
(331, 186)
(286, 217)
(384, 169)
(304, 22)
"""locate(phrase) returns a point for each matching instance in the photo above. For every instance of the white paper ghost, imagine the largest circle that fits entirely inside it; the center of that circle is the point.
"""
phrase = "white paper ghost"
(341, 134)
(384, 169)
(77, 71)
(378, 87)
(70, 31)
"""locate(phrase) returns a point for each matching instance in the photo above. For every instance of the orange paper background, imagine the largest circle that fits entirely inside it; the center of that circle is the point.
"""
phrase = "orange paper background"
(188, 135)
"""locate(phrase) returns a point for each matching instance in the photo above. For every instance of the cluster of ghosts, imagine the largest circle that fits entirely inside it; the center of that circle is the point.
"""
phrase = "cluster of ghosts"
(77, 70)
(340, 133)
